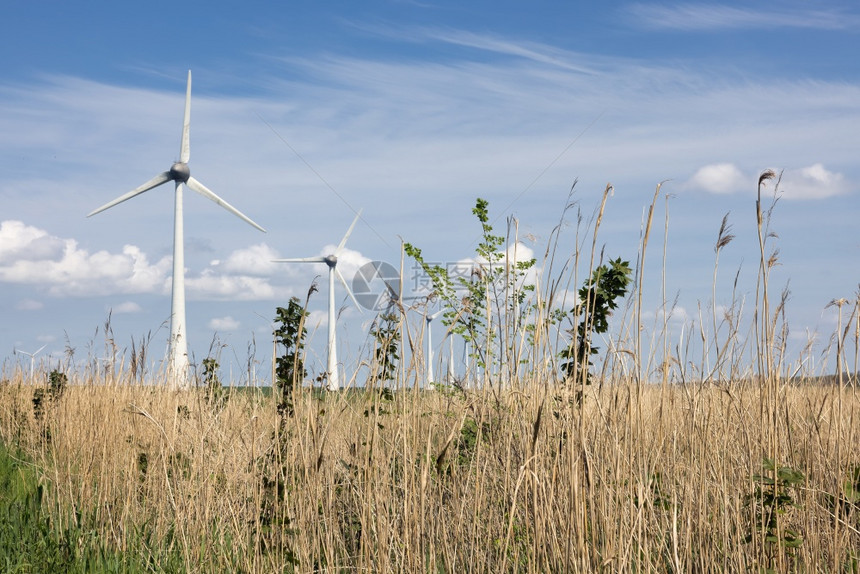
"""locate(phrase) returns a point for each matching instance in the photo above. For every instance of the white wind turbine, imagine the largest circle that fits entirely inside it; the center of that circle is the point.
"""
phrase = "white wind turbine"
(428, 321)
(32, 357)
(179, 174)
(331, 261)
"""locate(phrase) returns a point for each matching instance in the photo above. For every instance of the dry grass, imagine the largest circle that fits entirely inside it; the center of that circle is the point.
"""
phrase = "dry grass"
(657, 480)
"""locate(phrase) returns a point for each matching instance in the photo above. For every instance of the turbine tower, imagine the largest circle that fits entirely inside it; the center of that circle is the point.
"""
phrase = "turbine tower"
(428, 320)
(181, 176)
(331, 261)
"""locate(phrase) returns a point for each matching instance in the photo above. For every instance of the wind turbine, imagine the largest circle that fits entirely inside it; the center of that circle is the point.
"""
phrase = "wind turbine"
(428, 320)
(181, 176)
(331, 261)
(451, 376)
(32, 358)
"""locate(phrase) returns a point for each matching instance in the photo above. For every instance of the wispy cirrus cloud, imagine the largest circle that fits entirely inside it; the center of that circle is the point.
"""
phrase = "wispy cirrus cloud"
(702, 17)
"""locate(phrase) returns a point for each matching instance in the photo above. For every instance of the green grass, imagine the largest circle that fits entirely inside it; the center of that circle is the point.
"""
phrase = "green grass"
(37, 538)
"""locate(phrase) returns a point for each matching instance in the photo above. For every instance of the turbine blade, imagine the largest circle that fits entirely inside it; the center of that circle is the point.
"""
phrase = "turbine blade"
(185, 146)
(436, 314)
(300, 260)
(348, 232)
(205, 192)
(393, 288)
(348, 290)
(154, 182)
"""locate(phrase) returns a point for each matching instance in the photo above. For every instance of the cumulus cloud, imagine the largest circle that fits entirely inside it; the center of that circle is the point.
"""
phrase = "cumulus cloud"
(813, 182)
(20, 241)
(224, 324)
(29, 255)
(32, 256)
(254, 260)
(212, 285)
(719, 178)
(317, 319)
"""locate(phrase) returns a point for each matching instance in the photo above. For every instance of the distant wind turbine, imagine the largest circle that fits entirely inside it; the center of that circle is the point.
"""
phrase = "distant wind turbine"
(451, 375)
(428, 320)
(179, 174)
(32, 357)
(331, 261)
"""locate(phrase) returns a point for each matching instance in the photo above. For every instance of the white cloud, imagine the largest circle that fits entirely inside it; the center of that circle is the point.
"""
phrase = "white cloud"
(678, 315)
(254, 260)
(30, 255)
(126, 307)
(720, 178)
(210, 285)
(20, 241)
(565, 299)
(349, 261)
(813, 182)
(224, 324)
(63, 269)
(316, 320)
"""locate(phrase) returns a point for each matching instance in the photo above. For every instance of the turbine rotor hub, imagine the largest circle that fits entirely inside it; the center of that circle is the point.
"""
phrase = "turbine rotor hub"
(331, 260)
(179, 172)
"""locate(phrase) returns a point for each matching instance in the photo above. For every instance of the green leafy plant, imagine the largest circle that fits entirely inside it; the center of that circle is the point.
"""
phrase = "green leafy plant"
(851, 487)
(773, 498)
(290, 365)
(57, 381)
(492, 287)
(598, 297)
(47, 395)
(847, 502)
(213, 389)
(386, 333)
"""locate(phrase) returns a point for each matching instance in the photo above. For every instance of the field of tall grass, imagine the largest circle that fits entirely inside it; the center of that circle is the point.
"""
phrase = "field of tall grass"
(745, 464)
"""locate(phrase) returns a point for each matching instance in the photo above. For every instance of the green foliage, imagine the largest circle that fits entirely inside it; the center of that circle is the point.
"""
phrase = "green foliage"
(290, 365)
(851, 487)
(213, 389)
(57, 381)
(847, 502)
(470, 434)
(772, 498)
(33, 540)
(470, 300)
(386, 333)
(598, 297)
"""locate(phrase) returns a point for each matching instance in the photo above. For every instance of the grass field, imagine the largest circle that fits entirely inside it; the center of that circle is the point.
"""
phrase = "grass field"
(636, 479)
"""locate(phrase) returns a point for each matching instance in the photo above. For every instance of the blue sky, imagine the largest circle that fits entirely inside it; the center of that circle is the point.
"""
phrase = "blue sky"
(304, 113)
